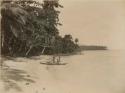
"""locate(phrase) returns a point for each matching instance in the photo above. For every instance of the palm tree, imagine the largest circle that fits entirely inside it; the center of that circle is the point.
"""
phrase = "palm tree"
(14, 26)
(76, 40)
(68, 37)
(25, 27)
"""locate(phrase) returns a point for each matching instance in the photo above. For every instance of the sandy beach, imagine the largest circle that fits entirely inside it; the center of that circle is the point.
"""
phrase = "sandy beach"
(89, 72)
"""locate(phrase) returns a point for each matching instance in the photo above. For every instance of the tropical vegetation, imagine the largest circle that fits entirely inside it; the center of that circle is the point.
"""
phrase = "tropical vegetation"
(31, 28)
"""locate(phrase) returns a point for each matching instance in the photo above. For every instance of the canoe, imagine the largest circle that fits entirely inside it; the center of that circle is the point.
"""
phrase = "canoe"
(48, 63)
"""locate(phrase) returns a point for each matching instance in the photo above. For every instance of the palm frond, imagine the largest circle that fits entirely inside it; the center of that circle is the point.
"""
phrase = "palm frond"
(16, 18)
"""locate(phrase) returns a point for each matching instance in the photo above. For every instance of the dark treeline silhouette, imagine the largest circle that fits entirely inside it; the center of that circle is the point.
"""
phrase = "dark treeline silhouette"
(93, 47)
(30, 28)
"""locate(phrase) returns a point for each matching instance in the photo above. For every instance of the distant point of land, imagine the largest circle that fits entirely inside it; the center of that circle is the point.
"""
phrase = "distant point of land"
(93, 47)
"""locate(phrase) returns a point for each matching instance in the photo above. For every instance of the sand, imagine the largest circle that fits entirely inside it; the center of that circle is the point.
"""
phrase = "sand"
(89, 72)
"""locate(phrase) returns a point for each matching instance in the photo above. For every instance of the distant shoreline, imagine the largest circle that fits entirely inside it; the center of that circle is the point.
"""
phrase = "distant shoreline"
(92, 47)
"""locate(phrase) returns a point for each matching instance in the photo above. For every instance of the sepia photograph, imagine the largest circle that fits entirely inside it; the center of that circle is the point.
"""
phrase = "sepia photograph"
(62, 46)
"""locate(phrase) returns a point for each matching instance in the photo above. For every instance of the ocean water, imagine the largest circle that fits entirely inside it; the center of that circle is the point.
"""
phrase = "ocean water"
(94, 72)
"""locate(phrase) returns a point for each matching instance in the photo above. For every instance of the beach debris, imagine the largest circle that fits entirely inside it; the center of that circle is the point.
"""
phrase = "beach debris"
(27, 83)
(28, 75)
(44, 88)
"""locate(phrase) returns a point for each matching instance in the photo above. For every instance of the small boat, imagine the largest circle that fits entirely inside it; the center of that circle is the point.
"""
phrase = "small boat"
(49, 63)
(55, 61)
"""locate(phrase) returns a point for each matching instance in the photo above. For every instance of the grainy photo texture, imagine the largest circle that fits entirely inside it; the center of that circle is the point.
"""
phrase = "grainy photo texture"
(62, 46)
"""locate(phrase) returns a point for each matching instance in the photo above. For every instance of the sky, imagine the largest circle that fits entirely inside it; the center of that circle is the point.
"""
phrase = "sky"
(94, 22)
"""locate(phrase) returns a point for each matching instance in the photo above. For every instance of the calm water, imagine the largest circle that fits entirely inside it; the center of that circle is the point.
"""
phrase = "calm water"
(93, 72)
(88, 72)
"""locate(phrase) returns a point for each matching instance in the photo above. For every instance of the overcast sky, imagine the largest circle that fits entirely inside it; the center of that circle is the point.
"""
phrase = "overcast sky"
(95, 22)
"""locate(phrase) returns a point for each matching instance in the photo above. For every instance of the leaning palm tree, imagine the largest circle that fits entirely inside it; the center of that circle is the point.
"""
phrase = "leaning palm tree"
(14, 27)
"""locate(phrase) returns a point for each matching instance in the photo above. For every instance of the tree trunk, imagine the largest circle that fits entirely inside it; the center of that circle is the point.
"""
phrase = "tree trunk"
(28, 50)
(43, 50)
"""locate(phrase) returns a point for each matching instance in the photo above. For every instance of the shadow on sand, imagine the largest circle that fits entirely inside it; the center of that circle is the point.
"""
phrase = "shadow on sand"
(11, 78)
(14, 59)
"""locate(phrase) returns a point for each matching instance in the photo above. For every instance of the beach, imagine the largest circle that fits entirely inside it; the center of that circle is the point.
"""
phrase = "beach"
(100, 71)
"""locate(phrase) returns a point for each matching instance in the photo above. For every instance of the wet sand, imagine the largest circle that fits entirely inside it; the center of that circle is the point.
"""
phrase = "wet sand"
(89, 72)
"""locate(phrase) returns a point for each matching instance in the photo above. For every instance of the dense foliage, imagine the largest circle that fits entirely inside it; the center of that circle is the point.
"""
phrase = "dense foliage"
(31, 28)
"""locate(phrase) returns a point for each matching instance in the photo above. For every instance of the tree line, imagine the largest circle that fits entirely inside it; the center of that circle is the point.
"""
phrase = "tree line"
(31, 28)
